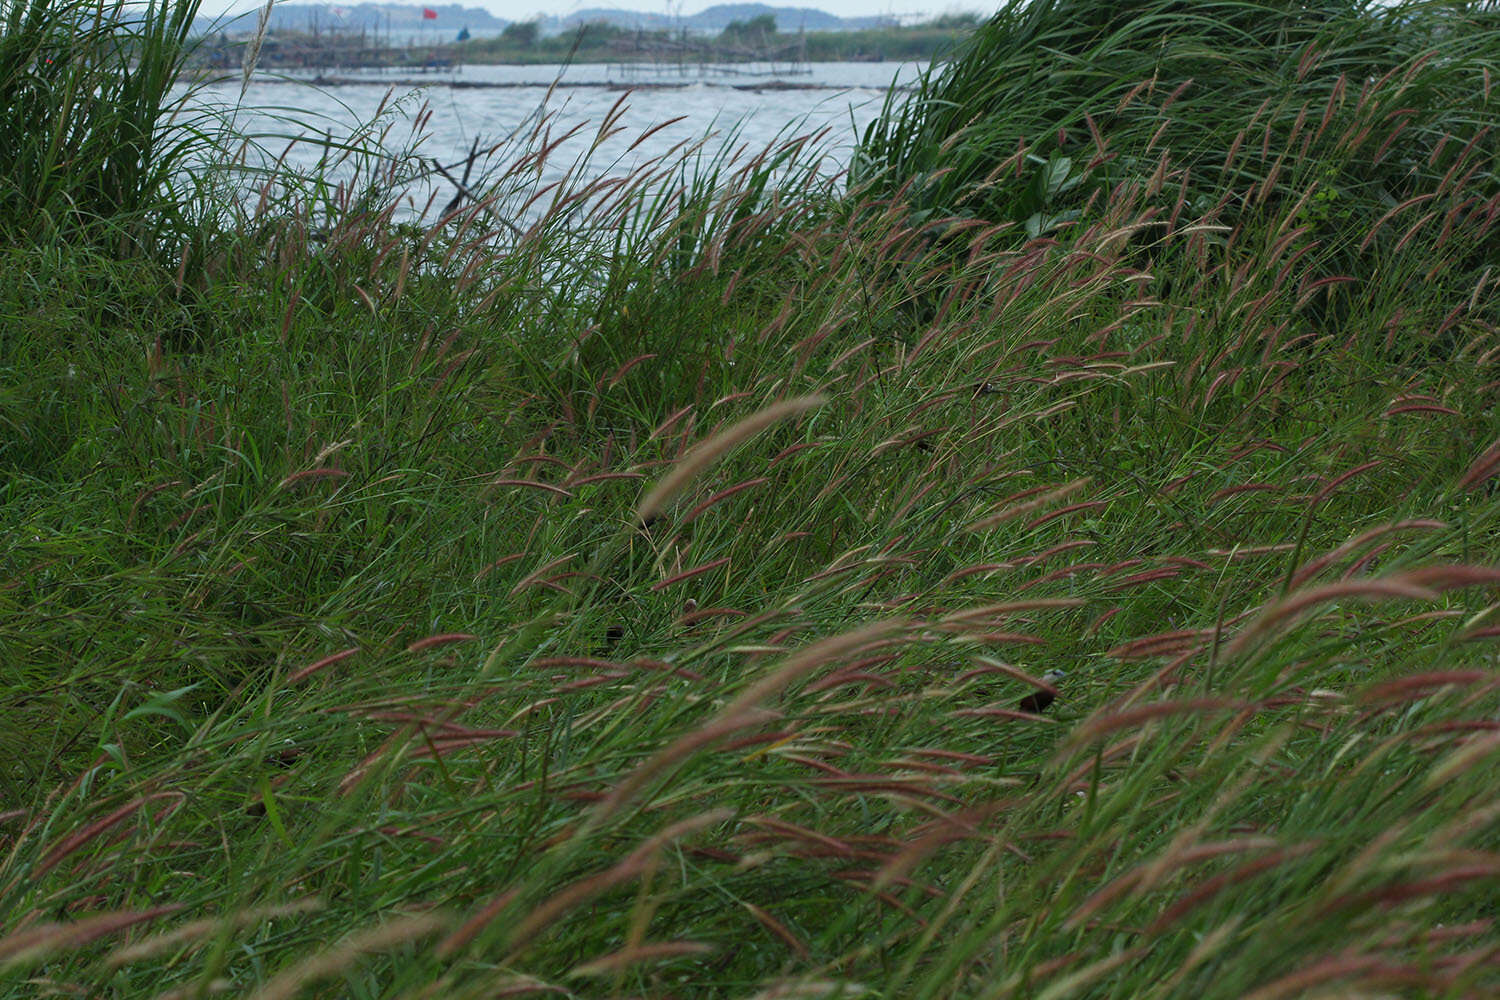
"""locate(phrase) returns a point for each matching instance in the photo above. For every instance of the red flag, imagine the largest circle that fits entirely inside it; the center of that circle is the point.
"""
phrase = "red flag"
(428, 14)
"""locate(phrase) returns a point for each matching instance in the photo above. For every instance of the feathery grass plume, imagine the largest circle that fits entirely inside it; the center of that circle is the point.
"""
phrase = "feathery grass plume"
(638, 953)
(1394, 588)
(303, 673)
(1316, 566)
(203, 932)
(1022, 509)
(631, 866)
(40, 941)
(80, 839)
(1483, 468)
(706, 453)
(744, 709)
(253, 45)
(331, 961)
(471, 928)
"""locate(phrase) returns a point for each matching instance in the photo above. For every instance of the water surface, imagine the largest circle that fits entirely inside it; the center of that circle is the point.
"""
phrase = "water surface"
(750, 105)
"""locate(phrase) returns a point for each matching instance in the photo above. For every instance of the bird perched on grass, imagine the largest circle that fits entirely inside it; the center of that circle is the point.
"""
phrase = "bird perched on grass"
(1037, 701)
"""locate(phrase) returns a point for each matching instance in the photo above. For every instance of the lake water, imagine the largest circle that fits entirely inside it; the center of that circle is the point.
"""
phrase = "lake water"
(750, 105)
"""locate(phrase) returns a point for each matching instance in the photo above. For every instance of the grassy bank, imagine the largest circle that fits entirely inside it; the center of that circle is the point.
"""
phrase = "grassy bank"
(641, 603)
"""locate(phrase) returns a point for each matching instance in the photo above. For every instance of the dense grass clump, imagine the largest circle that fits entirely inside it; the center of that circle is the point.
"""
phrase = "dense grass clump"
(92, 145)
(640, 600)
(1367, 129)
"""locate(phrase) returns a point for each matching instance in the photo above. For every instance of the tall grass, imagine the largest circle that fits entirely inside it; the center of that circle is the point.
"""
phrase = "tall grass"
(472, 612)
(1375, 118)
(92, 144)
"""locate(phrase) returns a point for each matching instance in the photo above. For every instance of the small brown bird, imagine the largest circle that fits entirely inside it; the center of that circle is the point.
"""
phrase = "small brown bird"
(1037, 701)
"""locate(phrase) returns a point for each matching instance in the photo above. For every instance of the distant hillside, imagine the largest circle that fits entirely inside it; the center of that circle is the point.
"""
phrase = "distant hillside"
(397, 19)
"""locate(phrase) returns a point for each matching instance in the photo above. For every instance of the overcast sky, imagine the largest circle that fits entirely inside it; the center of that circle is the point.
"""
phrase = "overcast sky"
(521, 10)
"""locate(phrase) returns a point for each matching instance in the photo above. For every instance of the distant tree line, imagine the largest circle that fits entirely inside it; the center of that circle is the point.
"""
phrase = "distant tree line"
(523, 42)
